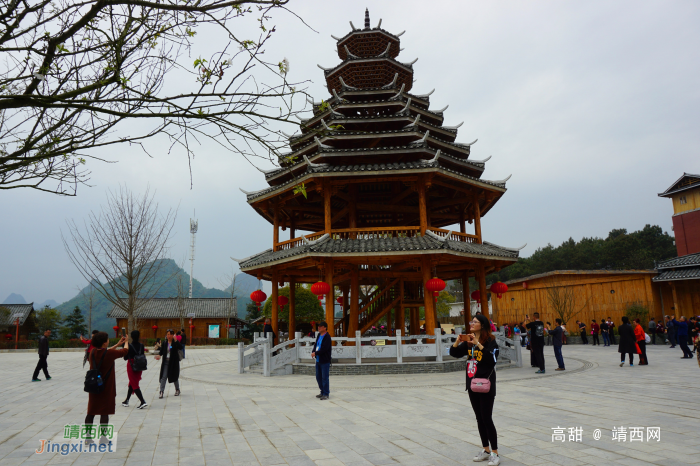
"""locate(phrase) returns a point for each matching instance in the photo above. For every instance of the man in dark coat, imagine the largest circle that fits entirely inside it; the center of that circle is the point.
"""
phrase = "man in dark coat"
(170, 366)
(628, 342)
(322, 354)
(43, 354)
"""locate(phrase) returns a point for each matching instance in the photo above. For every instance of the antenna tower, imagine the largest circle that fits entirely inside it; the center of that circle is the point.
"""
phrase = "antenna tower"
(194, 225)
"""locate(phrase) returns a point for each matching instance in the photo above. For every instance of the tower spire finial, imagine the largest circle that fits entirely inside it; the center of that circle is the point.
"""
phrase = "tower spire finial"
(366, 18)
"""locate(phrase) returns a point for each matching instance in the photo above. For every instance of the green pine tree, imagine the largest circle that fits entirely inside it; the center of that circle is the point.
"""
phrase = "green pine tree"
(73, 325)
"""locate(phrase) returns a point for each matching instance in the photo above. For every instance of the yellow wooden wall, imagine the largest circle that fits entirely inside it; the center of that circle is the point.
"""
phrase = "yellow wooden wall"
(201, 327)
(591, 295)
(692, 197)
(688, 294)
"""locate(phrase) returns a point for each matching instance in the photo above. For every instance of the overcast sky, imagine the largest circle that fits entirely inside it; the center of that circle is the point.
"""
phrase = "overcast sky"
(593, 107)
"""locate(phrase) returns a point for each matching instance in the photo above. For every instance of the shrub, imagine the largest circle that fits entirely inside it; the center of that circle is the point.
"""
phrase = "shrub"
(637, 311)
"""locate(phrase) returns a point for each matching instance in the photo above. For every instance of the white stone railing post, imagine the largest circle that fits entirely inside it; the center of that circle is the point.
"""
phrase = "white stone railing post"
(297, 345)
(358, 347)
(438, 344)
(241, 357)
(266, 359)
(519, 353)
(399, 355)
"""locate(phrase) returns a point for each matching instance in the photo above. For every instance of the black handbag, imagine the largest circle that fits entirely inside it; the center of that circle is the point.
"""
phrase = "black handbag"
(94, 383)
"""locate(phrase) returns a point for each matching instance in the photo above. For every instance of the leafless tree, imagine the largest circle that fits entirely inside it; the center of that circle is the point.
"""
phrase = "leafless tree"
(73, 71)
(88, 295)
(233, 295)
(563, 300)
(122, 249)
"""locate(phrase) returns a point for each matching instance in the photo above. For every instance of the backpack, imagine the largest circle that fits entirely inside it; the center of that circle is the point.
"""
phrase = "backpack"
(139, 363)
(94, 383)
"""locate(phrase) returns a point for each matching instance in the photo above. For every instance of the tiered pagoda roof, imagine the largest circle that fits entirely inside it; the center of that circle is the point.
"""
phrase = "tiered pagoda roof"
(372, 127)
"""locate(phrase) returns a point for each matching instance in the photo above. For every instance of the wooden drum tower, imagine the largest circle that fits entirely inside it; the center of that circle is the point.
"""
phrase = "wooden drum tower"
(383, 177)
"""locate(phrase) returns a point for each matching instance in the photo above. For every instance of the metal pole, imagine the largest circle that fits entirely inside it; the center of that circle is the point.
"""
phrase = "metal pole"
(17, 333)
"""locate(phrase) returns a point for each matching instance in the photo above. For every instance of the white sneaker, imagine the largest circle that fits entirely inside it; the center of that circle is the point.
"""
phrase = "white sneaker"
(482, 456)
(495, 460)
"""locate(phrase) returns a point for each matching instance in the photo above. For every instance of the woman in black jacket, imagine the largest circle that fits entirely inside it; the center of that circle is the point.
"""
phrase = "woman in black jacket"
(628, 342)
(135, 348)
(481, 348)
(170, 367)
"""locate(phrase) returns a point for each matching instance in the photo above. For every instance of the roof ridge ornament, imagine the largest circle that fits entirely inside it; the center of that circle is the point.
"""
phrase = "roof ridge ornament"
(303, 120)
(386, 52)
(348, 52)
(503, 181)
(266, 171)
(353, 27)
(248, 193)
(321, 145)
(316, 241)
(398, 94)
(324, 69)
(366, 18)
(437, 156)
(336, 38)
(342, 83)
(438, 237)
(441, 110)
(480, 161)
(325, 125)
(392, 83)
(453, 127)
(379, 25)
(411, 63)
(415, 122)
(400, 33)
(312, 165)
(425, 95)
(507, 248)
(425, 137)
(335, 94)
(408, 104)
(288, 135)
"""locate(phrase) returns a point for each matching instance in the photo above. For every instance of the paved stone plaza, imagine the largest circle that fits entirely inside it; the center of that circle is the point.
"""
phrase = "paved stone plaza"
(223, 418)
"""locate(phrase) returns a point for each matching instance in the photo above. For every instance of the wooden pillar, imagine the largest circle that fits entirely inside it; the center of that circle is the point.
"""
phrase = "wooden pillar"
(346, 308)
(462, 224)
(422, 207)
(327, 211)
(353, 324)
(292, 227)
(276, 231)
(481, 276)
(292, 307)
(330, 300)
(676, 303)
(467, 300)
(477, 218)
(275, 307)
(352, 213)
(430, 316)
(400, 317)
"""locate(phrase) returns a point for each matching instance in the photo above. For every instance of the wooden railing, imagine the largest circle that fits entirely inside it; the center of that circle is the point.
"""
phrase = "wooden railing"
(376, 233)
(296, 242)
(455, 235)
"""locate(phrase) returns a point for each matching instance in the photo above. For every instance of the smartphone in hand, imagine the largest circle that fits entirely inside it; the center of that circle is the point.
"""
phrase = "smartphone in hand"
(123, 332)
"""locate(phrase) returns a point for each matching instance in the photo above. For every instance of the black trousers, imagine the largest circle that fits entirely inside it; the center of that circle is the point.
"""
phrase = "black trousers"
(611, 334)
(538, 355)
(584, 338)
(41, 365)
(643, 348)
(622, 357)
(482, 404)
(684, 346)
(596, 341)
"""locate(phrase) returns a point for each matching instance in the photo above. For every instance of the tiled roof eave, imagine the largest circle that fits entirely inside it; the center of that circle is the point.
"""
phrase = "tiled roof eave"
(308, 254)
(368, 31)
(690, 260)
(347, 61)
(427, 169)
(692, 273)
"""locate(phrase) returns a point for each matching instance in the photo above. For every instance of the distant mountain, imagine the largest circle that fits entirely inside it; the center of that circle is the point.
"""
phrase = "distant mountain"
(168, 276)
(14, 298)
(49, 302)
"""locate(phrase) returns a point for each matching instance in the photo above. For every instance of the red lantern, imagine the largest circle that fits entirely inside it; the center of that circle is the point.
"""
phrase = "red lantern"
(524, 285)
(155, 327)
(340, 300)
(116, 330)
(435, 286)
(258, 296)
(476, 296)
(499, 288)
(320, 289)
(282, 300)
(8, 336)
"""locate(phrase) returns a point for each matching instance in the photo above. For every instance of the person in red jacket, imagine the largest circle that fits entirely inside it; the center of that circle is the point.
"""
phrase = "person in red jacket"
(595, 329)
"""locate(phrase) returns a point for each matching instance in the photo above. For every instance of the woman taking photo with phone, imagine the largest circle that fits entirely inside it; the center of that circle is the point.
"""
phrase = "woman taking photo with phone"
(481, 350)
